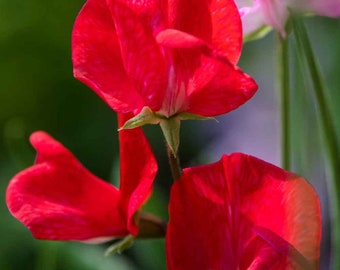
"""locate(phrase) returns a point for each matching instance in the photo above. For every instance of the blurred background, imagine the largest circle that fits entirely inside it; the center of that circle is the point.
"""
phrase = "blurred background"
(38, 92)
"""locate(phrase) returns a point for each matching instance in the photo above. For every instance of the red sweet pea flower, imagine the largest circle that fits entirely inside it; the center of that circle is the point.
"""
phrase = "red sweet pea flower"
(58, 199)
(242, 213)
(171, 56)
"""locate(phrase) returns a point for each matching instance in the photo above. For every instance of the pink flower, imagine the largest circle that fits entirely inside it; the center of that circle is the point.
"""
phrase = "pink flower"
(171, 56)
(242, 213)
(58, 199)
(257, 15)
(328, 8)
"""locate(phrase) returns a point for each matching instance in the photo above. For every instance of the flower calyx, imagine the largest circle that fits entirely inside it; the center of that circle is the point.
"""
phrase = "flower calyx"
(121, 245)
(149, 226)
(170, 125)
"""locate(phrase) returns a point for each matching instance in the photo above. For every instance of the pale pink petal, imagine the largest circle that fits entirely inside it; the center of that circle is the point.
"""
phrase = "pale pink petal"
(275, 14)
(328, 8)
(252, 18)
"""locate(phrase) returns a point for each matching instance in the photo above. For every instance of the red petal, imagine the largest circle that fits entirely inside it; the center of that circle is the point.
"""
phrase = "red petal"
(227, 29)
(219, 88)
(138, 168)
(216, 22)
(283, 247)
(97, 59)
(216, 209)
(136, 24)
(195, 27)
(172, 38)
(47, 148)
(190, 16)
(58, 199)
(286, 205)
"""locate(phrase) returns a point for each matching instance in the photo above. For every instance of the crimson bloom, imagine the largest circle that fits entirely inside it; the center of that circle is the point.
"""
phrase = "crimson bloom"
(242, 213)
(171, 56)
(58, 199)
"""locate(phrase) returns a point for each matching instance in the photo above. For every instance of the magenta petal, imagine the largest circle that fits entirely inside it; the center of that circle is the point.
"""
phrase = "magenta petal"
(216, 211)
(58, 199)
(138, 168)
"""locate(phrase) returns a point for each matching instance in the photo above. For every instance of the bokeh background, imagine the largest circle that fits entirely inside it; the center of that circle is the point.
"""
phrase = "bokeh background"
(38, 92)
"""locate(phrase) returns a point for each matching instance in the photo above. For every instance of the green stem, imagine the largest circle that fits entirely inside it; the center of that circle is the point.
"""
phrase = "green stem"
(331, 144)
(176, 170)
(47, 255)
(284, 91)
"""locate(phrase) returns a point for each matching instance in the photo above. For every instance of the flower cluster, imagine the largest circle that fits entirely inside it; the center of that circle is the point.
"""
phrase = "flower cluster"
(161, 62)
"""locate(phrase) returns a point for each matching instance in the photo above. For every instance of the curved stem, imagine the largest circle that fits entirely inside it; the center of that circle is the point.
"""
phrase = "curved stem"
(176, 170)
(330, 140)
(284, 91)
(150, 226)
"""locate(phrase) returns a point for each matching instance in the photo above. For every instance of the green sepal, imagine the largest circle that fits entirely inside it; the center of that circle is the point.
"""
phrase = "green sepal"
(191, 116)
(146, 116)
(259, 33)
(121, 245)
(170, 128)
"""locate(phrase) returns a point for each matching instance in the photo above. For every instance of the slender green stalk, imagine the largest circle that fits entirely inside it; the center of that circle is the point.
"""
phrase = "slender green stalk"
(174, 164)
(284, 91)
(47, 256)
(330, 141)
(301, 111)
